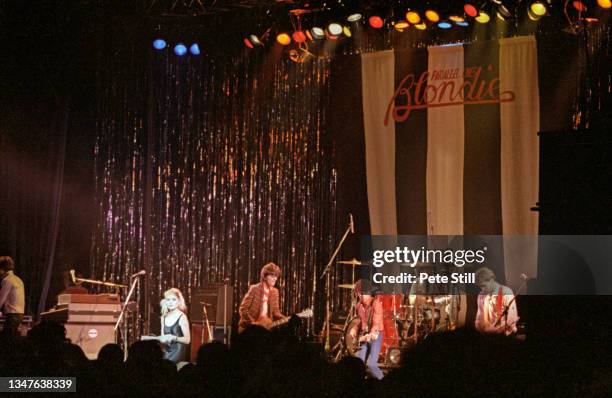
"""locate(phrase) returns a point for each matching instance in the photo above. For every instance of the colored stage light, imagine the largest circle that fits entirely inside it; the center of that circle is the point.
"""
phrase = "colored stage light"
(413, 17)
(421, 26)
(375, 21)
(159, 44)
(503, 13)
(283, 39)
(470, 10)
(456, 18)
(255, 40)
(604, 3)
(334, 29)
(299, 36)
(463, 24)
(354, 17)
(533, 16)
(248, 43)
(318, 33)
(401, 25)
(347, 31)
(444, 25)
(579, 6)
(483, 17)
(194, 49)
(432, 16)
(180, 49)
(538, 8)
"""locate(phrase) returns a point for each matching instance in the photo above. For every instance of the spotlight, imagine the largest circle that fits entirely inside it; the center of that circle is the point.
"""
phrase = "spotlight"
(255, 40)
(394, 356)
(444, 25)
(354, 17)
(375, 21)
(334, 29)
(318, 33)
(159, 44)
(248, 43)
(421, 26)
(299, 36)
(538, 8)
(533, 16)
(401, 25)
(309, 35)
(432, 16)
(347, 31)
(194, 49)
(483, 17)
(180, 49)
(456, 18)
(283, 39)
(579, 6)
(470, 9)
(604, 3)
(413, 17)
(503, 13)
(463, 24)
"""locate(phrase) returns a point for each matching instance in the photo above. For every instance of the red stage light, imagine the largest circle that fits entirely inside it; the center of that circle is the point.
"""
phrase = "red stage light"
(579, 5)
(248, 43)
(375, 21)
(299, 36)
(470, 10)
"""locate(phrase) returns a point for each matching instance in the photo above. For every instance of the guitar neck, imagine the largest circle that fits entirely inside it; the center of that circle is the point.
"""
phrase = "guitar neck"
(279, 322)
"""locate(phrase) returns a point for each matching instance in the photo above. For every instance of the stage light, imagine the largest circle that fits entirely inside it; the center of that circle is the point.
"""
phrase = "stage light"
(299, 36)
(444, 25)
(194, 49)
(463, 24)
(401, 25)
(502, 12)
(394, 355)
(318, 33)
(413, 17)
(483, 17)
(533, 16)
(347, 31)
(255, 40)
(579, 6)
(456, 18)
(159, 44)
(470, 10)
(180, 49)
(354, 17)
(334, 29)
(248, 43)
(309, 35)
(375, 21)
(604, 3)
(283, 39)
(432, 16)
(421, 26)
(538, 8)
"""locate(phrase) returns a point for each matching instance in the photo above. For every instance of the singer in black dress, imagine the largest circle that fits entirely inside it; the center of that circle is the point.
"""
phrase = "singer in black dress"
(174, 326)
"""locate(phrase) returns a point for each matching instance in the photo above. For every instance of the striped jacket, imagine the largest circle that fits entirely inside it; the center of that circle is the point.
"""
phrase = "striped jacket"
(250, 307)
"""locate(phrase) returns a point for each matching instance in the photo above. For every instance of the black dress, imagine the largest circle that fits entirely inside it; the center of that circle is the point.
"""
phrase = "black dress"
(175, 351)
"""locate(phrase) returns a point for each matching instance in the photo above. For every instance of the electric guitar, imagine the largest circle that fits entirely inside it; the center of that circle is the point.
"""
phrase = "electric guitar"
(269, 324)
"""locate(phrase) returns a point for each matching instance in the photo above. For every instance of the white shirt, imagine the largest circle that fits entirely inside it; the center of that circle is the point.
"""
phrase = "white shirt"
(488, 311)
(12, 295)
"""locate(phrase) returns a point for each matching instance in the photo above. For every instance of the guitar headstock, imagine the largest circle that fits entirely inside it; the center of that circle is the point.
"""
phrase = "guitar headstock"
(307, 313)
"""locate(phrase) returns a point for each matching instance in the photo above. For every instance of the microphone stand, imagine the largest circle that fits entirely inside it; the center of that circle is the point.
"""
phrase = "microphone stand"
(326, 272)
(123, 310)
(507, 307)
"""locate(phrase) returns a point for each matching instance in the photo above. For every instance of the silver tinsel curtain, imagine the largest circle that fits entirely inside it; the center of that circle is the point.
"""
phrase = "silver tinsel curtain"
(206, 169)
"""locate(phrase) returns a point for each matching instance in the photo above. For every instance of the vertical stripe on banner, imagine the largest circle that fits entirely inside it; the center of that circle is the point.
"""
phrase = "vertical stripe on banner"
(482, 186)
(445, 132)
(411, 145)
(520, 123)
(377, 78)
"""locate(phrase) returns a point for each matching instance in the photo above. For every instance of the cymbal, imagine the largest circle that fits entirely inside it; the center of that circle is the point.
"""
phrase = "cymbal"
(353, 262)
(346, 286)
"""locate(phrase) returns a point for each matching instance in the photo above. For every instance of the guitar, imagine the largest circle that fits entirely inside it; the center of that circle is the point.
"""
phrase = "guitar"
(269, 324)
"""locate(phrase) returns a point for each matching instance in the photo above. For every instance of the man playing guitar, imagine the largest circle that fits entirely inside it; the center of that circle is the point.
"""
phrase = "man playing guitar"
(370, 328)
(260, 306)
(497, 311)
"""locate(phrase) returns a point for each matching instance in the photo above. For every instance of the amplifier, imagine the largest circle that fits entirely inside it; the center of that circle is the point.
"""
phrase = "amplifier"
(215, 296)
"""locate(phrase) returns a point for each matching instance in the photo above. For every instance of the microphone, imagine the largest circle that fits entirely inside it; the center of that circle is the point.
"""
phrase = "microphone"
(351, 224)
(524, 277)
(139, 273)
(73, 277)
(205, 304)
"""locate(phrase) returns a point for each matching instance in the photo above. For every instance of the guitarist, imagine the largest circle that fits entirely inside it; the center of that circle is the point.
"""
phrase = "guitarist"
(261, 303)
(369, 309)
(497, 313)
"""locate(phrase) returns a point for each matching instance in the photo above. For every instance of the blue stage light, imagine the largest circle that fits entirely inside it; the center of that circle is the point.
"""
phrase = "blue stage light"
(194, 49)
(180, 49)
(444, 25)
(462, 23)
(159, 44)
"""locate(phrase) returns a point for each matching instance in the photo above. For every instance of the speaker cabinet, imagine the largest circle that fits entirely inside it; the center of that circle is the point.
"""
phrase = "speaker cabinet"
(90, 337)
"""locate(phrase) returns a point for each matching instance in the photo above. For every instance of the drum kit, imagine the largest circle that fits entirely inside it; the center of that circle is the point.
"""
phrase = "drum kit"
(407, 318)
